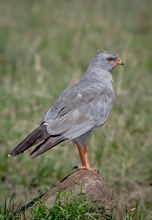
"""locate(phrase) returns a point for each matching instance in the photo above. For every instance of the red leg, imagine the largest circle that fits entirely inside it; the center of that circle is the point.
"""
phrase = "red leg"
(80, 150)
(84, 157)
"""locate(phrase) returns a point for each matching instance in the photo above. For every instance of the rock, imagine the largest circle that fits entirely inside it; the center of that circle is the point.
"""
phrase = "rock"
(83, 184)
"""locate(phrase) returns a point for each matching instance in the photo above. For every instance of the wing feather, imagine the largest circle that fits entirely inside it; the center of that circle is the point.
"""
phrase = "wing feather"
(84, 117)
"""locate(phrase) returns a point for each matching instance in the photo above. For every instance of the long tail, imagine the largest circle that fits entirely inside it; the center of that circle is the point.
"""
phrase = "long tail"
(51, 142)
(38, 136)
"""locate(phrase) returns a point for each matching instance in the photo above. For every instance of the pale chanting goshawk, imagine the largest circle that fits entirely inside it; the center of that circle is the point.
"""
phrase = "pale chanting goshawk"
(79, 109)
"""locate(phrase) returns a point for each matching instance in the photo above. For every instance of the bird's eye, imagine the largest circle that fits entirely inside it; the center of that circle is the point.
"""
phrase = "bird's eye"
(109, 58)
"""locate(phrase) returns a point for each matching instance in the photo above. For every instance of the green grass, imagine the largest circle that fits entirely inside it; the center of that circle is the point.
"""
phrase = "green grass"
(72, 209)
(46, 46)
(9, 211)
(68, 207)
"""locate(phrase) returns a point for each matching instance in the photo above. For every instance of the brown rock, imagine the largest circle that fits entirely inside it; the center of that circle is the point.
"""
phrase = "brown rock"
(83, 184)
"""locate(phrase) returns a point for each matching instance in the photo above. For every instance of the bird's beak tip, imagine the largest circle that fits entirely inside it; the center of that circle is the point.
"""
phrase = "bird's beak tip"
(122, 64)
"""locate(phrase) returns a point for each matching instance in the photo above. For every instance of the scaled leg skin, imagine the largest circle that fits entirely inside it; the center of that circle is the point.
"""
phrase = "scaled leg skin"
(80, 150)
(84, 157)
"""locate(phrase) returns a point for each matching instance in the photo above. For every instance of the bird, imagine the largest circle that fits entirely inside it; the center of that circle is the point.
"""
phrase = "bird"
(81, 108)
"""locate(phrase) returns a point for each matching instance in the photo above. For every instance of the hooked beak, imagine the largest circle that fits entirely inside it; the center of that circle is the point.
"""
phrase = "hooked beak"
(118, 62)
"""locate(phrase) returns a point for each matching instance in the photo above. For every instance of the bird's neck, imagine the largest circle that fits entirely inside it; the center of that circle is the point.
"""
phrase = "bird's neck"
(99, 73)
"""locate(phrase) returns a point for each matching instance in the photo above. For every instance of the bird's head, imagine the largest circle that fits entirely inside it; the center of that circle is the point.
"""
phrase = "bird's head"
(107, 60)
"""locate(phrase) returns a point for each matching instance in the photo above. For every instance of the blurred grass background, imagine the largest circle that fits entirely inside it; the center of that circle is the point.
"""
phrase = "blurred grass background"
(46, 46)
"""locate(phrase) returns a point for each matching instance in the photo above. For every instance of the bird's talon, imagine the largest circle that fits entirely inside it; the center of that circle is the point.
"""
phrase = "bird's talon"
(85, 168)
(95, 170)
(75, 167)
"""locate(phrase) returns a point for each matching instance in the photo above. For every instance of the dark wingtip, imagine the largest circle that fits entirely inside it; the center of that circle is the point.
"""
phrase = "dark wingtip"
(13, 154)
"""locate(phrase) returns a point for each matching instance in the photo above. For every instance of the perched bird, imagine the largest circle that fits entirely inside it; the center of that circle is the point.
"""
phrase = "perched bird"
(81, 108)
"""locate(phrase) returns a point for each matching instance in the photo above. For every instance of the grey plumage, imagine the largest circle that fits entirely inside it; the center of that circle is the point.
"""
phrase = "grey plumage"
(81, 108)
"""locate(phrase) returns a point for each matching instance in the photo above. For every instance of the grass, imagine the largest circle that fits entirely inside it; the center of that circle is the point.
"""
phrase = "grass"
(46, 46)
(72, 209)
